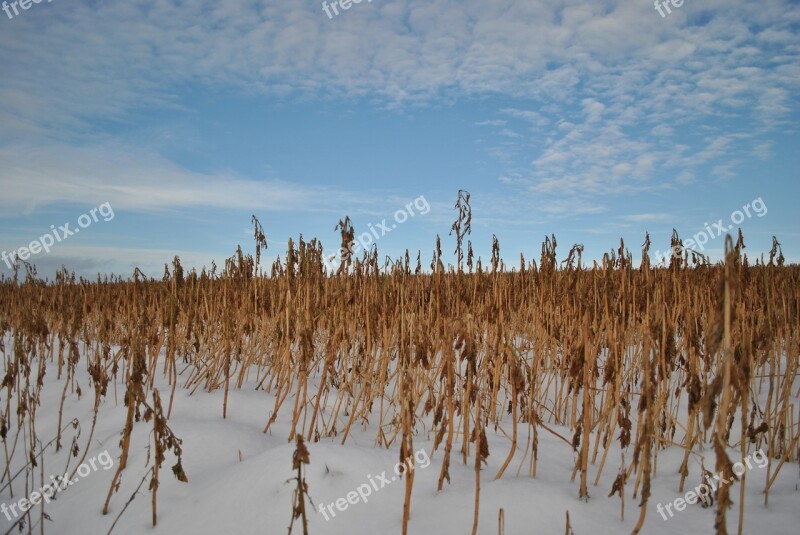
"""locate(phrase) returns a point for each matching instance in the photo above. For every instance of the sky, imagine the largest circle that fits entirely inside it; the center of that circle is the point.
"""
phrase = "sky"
(177, 120)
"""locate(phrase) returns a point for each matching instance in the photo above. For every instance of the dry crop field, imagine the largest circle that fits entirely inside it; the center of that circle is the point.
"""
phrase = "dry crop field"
(613, 366)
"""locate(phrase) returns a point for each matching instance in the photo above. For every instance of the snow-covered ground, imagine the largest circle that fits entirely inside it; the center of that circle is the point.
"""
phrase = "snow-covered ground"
(238, 479)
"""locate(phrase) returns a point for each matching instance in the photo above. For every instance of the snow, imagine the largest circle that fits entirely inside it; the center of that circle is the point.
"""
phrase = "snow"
(238, 478)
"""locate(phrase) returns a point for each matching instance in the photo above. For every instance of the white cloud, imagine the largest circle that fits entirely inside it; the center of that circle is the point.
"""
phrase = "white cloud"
(647, 218)
(107, 59)
(593, 77)
(507, 132)
(533, 117)
(129, 179)
(725, 171)
(592, 109)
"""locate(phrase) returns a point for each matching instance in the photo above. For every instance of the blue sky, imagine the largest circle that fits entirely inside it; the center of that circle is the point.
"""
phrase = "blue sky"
(594, 121)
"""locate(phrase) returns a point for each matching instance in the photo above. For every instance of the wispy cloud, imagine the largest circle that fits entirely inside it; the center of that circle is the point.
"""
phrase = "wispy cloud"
(645, 218)
(594, 101)
(136, 180)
